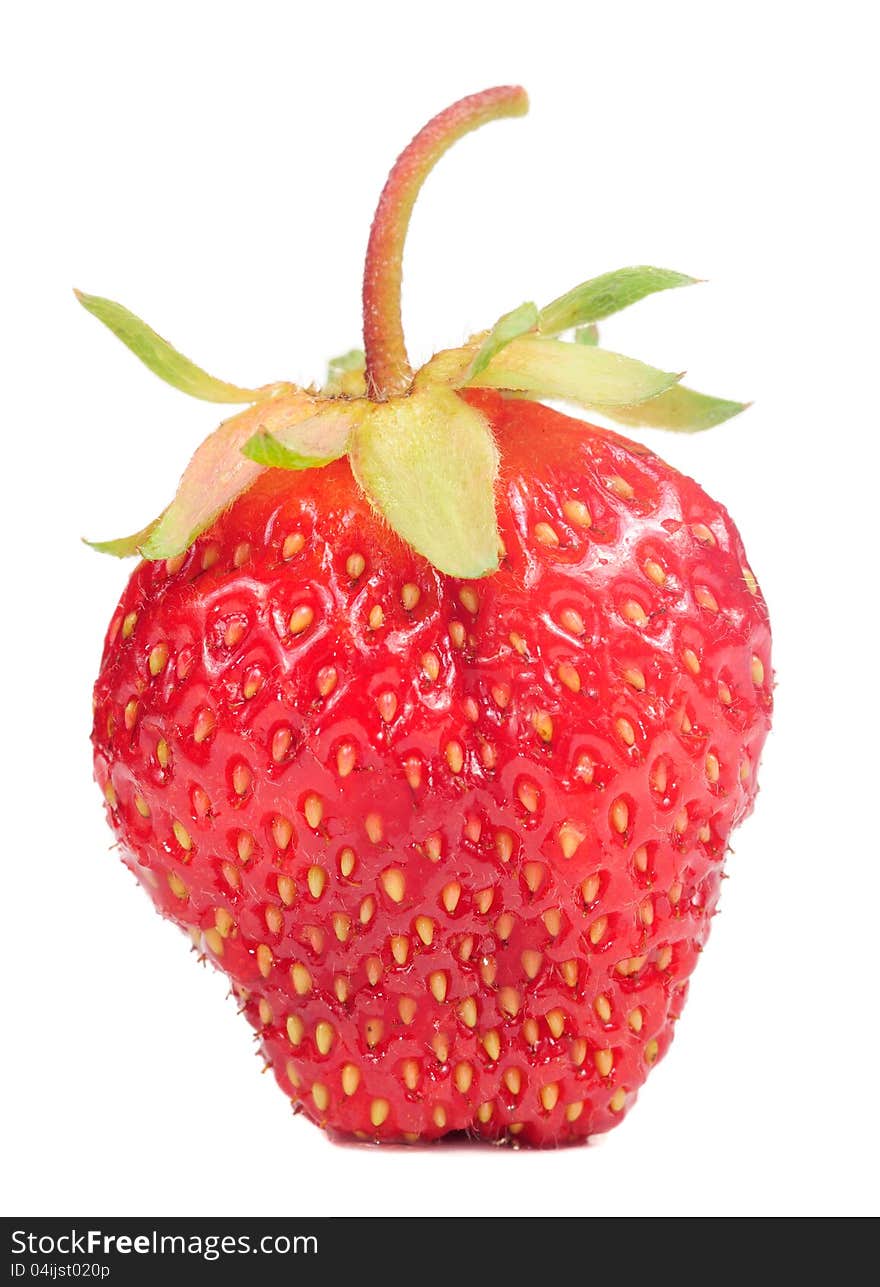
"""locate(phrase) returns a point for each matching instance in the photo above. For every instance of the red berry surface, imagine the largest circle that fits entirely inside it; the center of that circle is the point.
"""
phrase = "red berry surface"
(456, 843)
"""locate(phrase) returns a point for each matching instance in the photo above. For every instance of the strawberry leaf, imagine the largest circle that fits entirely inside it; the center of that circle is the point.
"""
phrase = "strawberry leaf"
(428, 464)
(124, 546)
(308, 445)
(507, 328)
(575, 372)
(601, 296)
(160, 357)
(680, 409)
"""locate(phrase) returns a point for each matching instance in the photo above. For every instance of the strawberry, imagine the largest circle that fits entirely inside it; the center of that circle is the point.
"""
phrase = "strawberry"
(429, 710)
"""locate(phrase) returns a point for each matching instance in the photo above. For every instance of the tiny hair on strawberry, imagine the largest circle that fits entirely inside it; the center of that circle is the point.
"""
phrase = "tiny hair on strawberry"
(428, 710)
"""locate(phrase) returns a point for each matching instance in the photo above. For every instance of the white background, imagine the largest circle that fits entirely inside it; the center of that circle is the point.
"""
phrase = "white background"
(214, 166)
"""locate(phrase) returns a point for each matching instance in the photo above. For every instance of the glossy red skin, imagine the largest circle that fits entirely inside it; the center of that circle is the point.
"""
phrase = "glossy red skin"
(682, 716)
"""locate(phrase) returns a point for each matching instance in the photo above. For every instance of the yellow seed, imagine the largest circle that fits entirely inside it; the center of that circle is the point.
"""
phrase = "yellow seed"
(509, 1001)
(281, 741)
(749, 578)
(552, 919)
(635, 678)
(620, 815)
(569, 676)
(130, 715)
(469, 599)
(399, 944)
(342, 926)
(484, 1112)
(473, 827)
(625, 731)
(293, 543)
(578, 1052)
(454, 756)
(620, 487)
(705, 598)
(532, 960)
(351, 1078)
(652, 1049)
(546, 534)
(543, 726)
(533, 874)
(204, 725)
(394, 884)
(264, 960)
(654, 572)
(411, 1073)
(181, 835)
(680, 822)
(128, 624)
(604, 1061)
(640, 858)
(531, 1033)
(664, 958)
(244, 846)
(438, 984)
(214, 941)
(346, 862)
(406, 1008)
(282, 831)
(158, 658)
(504, 926)
(374, 827)
(703, 533)
(483, 900)
(513, 1080)
(326, 680)
(321, 1096)
(430, 665)
(725, 696)
(373, 1032)
(555, 1022)
(342, 988)
(463, 1077)
(234, 633)
(572, 621)
(176, 885)
(713, 769)
(301, 979)
(569, 972)
(231, 874)
(529, 796)
(317, 879)
(597, 929)
(576, 512)
(324, 1035)
(224, 921)
(376, 619)
(573, 1111)
(501, 695)
(424, 927)
(757, 671)
(467, 1012)
(142, 807)
(457, 634)
(602, 1006)
(646, 912)
(241, 779)
(354, 565)
(410, 595)
(274, 920)
(433, 847)
(265, 1011)
(617, 1100)
(379, 1110)
(386, 704)
(492, 1043)
(301, 618)
(292, 1075)
(691, 661)
(450, 895)
(313, 809)
(549, 1097)
(590, 889)
(634, 612)
(346, 757)
(367, 909)
(487, 754)
(295, 1029)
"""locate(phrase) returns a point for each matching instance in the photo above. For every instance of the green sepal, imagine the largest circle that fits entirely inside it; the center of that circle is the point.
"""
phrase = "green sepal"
(588, 334)
(601, 296)
(679, 409)
(508, 328)
(310, 444)
(345, 374)
(428, 464)
(162, 358)
(124, 547)
(574, 372)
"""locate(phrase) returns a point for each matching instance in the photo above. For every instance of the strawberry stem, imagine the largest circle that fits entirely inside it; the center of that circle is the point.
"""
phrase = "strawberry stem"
(388, 369)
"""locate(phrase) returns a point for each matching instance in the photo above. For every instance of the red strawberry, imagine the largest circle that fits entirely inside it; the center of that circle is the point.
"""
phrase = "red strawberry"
(455, 832)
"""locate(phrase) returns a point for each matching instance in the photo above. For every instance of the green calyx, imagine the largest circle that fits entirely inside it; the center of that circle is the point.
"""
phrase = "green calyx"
(424, 457)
